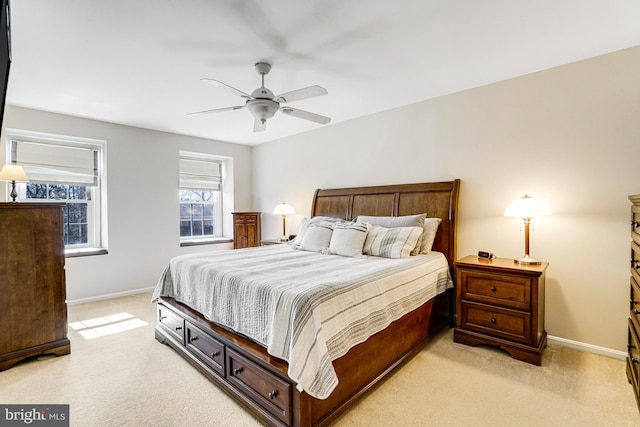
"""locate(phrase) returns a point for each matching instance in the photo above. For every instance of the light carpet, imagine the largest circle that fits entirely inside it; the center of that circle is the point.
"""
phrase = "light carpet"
(129, 379)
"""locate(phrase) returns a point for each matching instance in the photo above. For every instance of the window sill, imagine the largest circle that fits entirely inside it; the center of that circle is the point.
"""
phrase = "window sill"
(73, 253)
(213, 241)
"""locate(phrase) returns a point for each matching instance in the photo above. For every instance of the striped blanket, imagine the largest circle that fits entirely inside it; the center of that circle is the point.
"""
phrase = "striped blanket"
(303, 307)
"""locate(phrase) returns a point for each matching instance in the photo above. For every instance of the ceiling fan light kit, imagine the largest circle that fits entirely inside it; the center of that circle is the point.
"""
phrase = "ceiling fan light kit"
(263, 104)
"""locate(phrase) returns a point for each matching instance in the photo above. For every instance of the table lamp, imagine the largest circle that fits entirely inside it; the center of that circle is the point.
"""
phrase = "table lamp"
(527, 208)
(284, 210)
(13, 174)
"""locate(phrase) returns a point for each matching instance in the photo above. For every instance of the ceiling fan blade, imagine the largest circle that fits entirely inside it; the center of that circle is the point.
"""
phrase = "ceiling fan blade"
(226, 87)
(305, 115)
(259, 125)
(304, 93)
(216, 110)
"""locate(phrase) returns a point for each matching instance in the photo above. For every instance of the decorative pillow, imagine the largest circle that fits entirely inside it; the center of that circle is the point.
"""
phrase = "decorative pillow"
(397, 221)
(348, 239)
(391, 242)
(304, 224)
(429, 234)
(317, 237)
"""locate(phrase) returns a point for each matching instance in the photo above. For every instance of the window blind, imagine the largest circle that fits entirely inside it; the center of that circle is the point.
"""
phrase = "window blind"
(204, 174)
(63, 164)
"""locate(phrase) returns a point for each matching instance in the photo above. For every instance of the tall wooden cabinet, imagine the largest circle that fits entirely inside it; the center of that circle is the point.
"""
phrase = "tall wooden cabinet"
(633, 344)
(246, 229)
(33, 308)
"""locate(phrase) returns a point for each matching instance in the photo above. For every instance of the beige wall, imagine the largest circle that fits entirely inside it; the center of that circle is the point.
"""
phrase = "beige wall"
(142, 199)
(569, 135)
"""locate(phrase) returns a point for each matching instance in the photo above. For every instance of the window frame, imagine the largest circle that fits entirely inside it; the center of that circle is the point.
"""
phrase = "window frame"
(96, 195)
(218, 218)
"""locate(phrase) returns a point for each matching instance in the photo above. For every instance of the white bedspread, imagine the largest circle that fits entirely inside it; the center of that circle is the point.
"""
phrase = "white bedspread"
(304, 307)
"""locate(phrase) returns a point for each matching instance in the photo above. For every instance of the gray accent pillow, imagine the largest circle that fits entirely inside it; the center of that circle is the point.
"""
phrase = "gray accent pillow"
(391, 242)
(398, 221)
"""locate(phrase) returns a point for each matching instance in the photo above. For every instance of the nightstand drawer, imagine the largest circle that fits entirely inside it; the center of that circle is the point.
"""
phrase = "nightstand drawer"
(512, 325)
(496, 289)
(205, 347)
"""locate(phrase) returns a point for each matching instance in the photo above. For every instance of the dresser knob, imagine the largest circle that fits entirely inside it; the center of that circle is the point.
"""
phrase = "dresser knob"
(236, 371)
(493, 288)
(493, 320)
(214, 354)
(162, 318)
(192, 339)
(273, 394)
(178, 328)
(634, 360)
(635, 311)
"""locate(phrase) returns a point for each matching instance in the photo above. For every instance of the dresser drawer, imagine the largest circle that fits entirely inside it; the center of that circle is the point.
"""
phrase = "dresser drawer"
(496, 289)
(634, 302)
(205, 347)
(512, 325)
(635, 258)
(633, 356)
(171, 322)
(263, 387)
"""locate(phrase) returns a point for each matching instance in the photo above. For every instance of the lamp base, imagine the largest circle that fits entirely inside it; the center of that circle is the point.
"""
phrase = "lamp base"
(284, 239)
(527, 260)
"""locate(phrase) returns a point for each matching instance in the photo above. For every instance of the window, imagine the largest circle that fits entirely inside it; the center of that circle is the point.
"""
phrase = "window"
(200, 197)
(64, 170)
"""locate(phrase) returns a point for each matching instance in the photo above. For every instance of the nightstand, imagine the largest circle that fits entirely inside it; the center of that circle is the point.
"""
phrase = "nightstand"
(268, 242)
(501, 303)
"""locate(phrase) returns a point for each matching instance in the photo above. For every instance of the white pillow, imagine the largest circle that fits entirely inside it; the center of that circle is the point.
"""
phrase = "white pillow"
(348, 239)
(391, 242)
(301, 230)
(429, 234)
(317, 237)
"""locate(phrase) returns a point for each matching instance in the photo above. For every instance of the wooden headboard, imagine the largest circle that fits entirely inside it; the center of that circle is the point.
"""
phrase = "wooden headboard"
(436, 199)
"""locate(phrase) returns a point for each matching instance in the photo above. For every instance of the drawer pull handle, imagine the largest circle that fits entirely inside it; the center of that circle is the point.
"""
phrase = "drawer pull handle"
(273, 394)
(162, 318)
(236, 371)
(635, 224)
(214, 354)
(192, 339)
(634, 360)
(493, 320)
(493, 288)
(178, 328)
(636, 311)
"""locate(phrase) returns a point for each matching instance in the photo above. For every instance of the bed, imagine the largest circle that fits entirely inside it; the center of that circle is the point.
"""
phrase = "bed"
(246, 366)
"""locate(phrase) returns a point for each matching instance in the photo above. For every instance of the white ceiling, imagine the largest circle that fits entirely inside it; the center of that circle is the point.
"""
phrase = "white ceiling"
(139, 62)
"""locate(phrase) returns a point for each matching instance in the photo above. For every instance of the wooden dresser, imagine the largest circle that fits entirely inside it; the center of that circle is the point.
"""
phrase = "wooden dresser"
(633, 344)
(33, 306)
(246, 229)
(501, 303)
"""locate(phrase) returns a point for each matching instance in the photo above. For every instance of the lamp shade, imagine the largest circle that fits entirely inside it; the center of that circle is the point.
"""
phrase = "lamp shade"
(527, 207)
(13, 173)
(283, 209)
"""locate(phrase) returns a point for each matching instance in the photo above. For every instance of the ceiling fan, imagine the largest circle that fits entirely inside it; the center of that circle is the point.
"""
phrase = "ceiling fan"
(263, 105)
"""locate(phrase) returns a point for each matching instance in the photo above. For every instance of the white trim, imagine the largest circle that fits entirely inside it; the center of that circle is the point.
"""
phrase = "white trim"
(590, 348)
(110, 296)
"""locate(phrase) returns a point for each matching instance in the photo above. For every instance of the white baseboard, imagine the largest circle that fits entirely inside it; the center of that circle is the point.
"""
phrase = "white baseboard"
(109, 296)
(603, 351)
